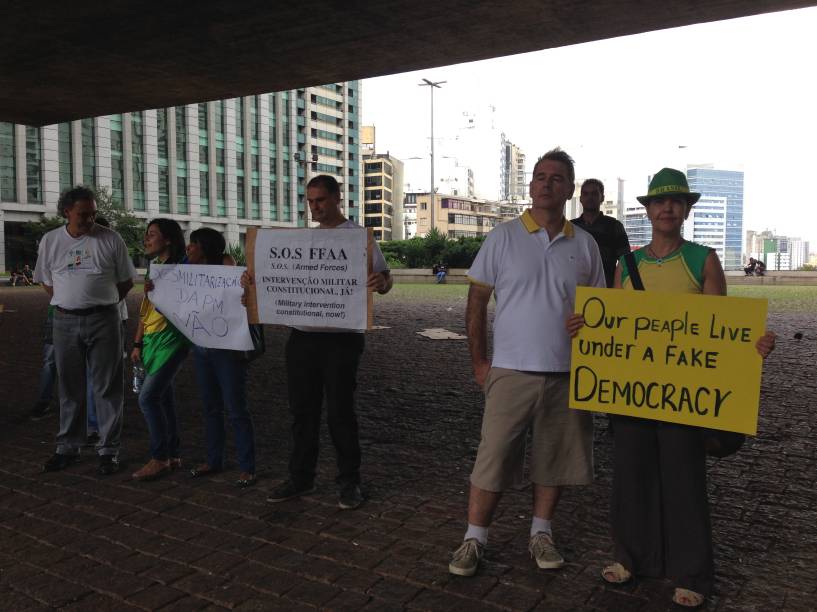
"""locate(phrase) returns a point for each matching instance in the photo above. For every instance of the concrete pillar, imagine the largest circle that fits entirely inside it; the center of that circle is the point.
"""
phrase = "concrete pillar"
(170, 123)
(20, 165)
(150, 162)
(102, 137)
(50, 166)
(264, 101)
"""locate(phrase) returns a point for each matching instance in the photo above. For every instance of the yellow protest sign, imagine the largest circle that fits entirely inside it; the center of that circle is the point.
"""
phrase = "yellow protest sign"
(682, 358)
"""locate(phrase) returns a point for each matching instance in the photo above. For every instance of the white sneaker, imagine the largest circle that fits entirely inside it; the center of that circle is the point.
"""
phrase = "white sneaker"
(542, 549)
(465, 560)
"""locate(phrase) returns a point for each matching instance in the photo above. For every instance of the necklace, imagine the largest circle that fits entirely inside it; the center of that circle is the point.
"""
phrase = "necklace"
(660, 260)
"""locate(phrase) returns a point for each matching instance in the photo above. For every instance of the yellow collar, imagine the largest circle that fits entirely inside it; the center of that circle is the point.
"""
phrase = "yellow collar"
(532, 226)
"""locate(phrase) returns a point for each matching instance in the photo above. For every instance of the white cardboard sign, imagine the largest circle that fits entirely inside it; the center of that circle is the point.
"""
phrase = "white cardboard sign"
(203, 302)
(312, 277)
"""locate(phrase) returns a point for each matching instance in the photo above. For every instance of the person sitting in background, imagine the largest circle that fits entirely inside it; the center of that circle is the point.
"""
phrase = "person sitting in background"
(28, 273)
(750, 269)
(17, 278)
(440, 271)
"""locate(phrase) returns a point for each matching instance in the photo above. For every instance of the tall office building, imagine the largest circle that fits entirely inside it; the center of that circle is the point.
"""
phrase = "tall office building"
(227, 164)
(383, 196)
(637, 225)
(711, 182)
(706, 224)
(512, 172)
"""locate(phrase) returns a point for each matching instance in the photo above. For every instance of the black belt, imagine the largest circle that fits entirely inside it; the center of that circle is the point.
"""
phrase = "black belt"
(84, 312)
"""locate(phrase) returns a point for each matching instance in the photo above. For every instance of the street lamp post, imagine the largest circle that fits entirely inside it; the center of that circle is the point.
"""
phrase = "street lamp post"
(431, 86)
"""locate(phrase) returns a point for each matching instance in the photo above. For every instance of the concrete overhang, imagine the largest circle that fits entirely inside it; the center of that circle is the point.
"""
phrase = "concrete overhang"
(68, 60)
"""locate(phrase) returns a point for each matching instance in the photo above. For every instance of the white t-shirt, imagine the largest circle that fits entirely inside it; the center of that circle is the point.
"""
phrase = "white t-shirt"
(378, 265)
(534, 280)
(83, 271)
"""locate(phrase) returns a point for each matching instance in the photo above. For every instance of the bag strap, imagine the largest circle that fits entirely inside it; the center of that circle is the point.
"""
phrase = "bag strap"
(632, 268)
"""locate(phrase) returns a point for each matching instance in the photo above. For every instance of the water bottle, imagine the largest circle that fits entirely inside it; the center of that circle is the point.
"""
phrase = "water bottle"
(138, 376)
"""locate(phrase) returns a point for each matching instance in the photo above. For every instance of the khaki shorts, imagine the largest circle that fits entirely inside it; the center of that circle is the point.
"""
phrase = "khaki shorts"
(562, 450)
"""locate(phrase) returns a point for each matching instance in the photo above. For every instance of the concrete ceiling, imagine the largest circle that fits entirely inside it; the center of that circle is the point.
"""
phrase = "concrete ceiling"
(68, 60)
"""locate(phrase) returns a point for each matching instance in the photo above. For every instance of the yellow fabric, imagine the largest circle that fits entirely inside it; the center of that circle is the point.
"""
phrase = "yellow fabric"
(152, 319)
(670, 275)
(532, 226)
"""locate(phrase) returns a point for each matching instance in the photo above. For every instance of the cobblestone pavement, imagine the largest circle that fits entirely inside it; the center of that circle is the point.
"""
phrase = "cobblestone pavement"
(75, 541)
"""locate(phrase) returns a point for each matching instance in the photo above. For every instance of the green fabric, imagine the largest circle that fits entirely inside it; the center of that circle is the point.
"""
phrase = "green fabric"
(669, 182)
(161, 346)
(161, 340)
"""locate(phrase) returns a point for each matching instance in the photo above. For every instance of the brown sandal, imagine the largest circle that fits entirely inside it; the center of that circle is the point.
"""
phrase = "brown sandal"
(203, 469)
(616, 574)
(175, 463)
(687, 598)
(152, 470)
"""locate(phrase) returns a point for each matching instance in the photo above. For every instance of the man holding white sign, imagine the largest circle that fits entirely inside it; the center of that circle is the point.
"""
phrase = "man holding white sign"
(323, 361)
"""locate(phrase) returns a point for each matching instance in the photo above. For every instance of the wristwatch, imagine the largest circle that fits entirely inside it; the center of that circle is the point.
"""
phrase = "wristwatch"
(138, 345)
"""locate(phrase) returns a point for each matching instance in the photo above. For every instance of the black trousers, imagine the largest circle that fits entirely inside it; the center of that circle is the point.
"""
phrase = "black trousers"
(660, 511)
(323, 365)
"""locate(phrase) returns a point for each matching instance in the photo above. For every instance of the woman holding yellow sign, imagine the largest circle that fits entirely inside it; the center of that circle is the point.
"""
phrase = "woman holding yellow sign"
(659, 510)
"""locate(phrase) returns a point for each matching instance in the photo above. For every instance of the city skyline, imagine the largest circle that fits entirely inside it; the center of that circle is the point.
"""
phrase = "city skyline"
(613, 112)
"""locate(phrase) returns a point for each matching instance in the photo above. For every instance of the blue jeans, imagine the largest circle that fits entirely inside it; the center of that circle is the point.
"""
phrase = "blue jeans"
(158, 404)
(440, 277)
(222, 380)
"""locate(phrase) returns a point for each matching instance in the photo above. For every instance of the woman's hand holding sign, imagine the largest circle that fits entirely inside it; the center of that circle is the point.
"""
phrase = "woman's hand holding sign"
(765, 344)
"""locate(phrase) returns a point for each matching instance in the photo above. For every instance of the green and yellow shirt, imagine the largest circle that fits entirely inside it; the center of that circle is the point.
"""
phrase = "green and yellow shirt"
(679, 272)
(160, 340)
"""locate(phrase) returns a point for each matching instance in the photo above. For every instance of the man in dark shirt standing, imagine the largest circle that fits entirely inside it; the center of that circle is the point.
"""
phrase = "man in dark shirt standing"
(608, 232)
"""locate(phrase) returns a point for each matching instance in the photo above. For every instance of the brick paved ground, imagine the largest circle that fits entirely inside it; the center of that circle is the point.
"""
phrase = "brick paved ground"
(75, 541)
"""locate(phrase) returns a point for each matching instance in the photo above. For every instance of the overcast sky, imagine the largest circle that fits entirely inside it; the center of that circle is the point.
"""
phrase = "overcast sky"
(740, 94)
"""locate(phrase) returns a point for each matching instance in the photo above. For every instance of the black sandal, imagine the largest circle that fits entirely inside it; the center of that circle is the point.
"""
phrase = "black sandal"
(203, 469)
(245, 480)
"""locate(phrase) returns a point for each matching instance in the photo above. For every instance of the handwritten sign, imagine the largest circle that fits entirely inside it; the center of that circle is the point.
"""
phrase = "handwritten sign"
(311, 278)
(682, 358)
(204, 303)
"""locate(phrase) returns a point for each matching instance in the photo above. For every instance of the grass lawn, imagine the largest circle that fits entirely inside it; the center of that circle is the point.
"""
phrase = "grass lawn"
(781, 299)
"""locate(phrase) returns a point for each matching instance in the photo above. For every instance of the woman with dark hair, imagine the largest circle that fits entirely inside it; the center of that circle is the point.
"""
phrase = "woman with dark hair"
(161, 348)
(222, 380)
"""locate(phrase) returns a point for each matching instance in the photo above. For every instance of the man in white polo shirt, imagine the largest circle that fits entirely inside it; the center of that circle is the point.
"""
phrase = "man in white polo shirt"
(86, 271)
(533, 265)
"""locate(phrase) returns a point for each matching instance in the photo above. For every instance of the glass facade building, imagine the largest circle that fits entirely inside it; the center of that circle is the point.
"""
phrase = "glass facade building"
(227, 164)
(714, 183)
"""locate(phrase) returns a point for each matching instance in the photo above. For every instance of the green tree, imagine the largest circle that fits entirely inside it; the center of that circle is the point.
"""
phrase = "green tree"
(426, 252)
(129, 226)
(237, 253)
(36, 229)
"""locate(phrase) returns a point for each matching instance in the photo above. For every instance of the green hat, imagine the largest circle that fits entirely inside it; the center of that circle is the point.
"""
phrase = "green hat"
(669, 182)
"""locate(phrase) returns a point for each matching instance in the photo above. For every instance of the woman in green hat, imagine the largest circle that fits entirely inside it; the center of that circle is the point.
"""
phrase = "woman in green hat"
(659, 510)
